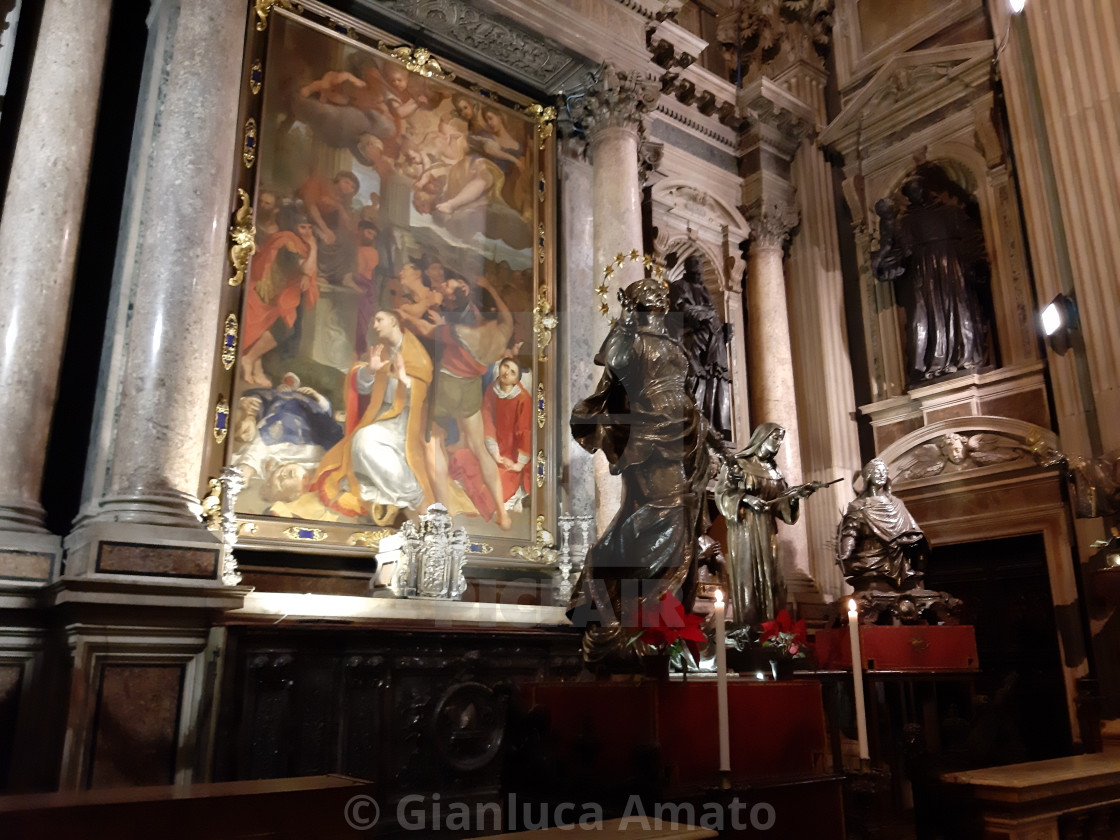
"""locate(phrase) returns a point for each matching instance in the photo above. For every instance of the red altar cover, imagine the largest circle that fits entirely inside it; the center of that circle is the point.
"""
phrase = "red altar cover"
(916, 647)
(776, 729)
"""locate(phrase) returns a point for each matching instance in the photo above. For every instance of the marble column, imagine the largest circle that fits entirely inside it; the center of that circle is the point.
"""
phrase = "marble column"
(577, 322)
(773, 396)
(156, 408)
(39, 233)
(609, 116)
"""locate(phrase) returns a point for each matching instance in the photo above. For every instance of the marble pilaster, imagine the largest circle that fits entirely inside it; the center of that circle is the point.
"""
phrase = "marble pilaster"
(829, 437)
(38, 243)
(609, 116)
(152, 424)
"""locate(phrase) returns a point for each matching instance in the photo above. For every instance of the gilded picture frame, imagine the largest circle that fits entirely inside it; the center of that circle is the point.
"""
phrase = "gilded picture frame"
(390, 296)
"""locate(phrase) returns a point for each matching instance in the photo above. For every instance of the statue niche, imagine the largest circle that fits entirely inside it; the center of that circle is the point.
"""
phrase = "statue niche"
(704, 336)
(932, 248)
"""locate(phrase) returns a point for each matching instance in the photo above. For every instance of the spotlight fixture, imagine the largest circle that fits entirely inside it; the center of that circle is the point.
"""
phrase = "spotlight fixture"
(1017, 5)
(1059, 318)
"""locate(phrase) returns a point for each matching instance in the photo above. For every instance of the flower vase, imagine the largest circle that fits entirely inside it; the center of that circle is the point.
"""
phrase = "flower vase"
(782, 669)
(655, 666)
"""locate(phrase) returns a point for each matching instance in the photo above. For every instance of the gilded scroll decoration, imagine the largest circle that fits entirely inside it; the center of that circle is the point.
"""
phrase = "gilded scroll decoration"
(540, 405)
(369, 539)
(544, 322)
(264, 7)
(542, 468)
(543, 550)
(256, 75)
(545, 117)
(211, 514)
(418, 61)
(244, 237)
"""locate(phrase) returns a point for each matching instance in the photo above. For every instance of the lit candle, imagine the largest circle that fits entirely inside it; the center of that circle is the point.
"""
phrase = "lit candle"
(721, 686)
(857, 681)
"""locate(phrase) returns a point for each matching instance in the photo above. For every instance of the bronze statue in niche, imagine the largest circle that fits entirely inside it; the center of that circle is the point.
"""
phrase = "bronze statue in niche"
(934, 250)
(704, 337)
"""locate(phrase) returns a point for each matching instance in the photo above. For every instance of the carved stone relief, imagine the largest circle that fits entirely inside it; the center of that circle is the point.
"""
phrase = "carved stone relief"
(765, 37)
(517, 51)
(953, 452)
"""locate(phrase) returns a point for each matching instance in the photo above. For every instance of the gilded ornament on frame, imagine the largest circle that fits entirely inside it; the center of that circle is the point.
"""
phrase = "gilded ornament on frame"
(229, 342)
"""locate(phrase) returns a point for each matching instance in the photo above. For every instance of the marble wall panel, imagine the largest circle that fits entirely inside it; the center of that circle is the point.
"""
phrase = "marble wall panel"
(25, 565)
(125, 558)
(11, 685)
(135, 729)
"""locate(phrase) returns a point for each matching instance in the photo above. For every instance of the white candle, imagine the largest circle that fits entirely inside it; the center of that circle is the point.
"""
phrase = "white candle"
(721, 686)
(857, 680)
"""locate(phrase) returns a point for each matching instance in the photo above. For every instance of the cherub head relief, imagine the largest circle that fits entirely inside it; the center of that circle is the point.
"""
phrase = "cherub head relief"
(953, 446)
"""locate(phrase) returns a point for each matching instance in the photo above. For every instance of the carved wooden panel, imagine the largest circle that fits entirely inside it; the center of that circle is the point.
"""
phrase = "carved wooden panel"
(408, 710)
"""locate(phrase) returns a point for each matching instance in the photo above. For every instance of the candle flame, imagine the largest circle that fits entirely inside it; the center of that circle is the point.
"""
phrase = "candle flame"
(719, 597)
(852, 605)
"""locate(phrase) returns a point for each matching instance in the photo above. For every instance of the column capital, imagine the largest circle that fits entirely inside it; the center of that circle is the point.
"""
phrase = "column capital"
(616, 99)
(771, 221)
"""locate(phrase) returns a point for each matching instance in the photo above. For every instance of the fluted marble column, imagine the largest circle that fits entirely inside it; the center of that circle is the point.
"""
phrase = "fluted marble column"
(773, 396)
(610, 117)
(155, 411)
(39, 233)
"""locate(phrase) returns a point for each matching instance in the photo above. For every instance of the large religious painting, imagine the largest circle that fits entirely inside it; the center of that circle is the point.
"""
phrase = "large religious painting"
(386, 352)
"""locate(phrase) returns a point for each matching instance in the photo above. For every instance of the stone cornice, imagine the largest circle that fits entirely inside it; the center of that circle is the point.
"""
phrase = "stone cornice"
(767, 104)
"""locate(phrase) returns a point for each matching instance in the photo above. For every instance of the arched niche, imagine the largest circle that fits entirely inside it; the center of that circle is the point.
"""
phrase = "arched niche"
(691, 218)
(966, 315)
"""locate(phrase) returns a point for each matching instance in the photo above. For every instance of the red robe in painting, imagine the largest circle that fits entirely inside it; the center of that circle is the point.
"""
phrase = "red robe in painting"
(508, 421)
(274, 285)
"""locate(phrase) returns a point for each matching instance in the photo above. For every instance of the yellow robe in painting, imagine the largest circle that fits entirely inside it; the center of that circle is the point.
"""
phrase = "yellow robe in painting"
(338, 463)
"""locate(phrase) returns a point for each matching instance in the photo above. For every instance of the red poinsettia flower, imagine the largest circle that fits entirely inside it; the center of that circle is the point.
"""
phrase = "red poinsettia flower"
(786, 634)
(670, 625)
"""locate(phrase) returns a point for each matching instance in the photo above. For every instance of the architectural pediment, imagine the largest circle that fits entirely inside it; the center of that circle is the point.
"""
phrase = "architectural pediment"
(697, 206)
(907, 88)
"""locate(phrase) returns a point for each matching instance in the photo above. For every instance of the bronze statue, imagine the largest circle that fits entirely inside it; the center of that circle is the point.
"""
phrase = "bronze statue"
(937, 253)
(883, 552)
(646, 423)
(879, 545)
(705, 338)
(752, 495)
